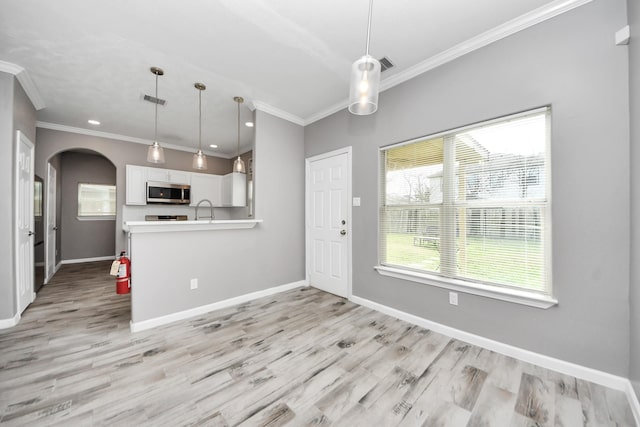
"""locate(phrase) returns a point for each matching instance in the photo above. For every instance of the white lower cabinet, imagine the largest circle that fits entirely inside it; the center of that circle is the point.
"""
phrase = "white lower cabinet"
(234, 190)
(206, 186)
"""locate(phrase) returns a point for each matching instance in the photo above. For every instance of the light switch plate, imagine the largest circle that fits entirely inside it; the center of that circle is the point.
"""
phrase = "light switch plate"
(356, 201)
(194, 284)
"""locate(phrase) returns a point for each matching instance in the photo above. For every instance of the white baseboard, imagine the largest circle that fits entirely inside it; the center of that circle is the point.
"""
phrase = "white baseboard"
(11, 322)
(55, 270)
(568, 368)
(633, 401)
(81, 260)
(197, 311)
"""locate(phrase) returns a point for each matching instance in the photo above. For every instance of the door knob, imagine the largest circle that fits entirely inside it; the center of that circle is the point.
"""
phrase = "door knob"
(343, 232)
(31, 233)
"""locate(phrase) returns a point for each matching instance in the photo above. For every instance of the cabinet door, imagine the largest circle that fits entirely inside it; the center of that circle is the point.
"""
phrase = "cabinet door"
(157, 175)
(234, 189)
(179, 177)
(136, 185)
(239, 194)
(206, 186)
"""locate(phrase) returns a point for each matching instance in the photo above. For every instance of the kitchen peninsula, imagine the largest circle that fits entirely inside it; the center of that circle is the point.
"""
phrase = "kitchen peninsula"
(184, 268)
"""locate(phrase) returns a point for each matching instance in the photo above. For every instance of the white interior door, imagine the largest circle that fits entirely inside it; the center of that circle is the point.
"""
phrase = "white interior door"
(24, 222)
(50, 225)
(328, 219)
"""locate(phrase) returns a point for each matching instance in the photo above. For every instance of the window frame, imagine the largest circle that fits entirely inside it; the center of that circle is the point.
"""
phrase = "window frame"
(496, 291)
(106, 217)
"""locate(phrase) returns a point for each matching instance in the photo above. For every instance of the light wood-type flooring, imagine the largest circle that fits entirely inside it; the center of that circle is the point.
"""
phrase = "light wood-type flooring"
(302, 357)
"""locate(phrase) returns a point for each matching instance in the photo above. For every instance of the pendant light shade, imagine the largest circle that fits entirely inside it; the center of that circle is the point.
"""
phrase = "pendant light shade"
(155, 153)
(238, 164)
(365, 84)
(365, 80)
(199, 159)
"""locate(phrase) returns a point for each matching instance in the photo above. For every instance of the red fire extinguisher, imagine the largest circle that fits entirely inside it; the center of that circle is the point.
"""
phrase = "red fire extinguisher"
(123, 280)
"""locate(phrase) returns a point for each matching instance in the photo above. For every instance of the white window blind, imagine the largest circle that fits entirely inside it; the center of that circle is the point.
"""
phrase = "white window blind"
(96, 200)
(471, 204)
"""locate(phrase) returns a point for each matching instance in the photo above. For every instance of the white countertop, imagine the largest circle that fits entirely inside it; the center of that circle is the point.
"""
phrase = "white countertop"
(200, 225)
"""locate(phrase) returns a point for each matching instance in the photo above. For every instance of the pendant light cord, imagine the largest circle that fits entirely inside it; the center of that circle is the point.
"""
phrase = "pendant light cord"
(369, 25)
(200, 121)
(238, 128)
(155, 130)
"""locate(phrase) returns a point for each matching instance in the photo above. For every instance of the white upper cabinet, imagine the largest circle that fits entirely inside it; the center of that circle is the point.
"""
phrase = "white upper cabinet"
(234, 190)
(229, 190)
(136, 185)
(206, 186)
(168, 175)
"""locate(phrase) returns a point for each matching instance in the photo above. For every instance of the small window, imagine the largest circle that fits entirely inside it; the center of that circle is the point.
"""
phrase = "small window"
(471, 206)
(96, 200)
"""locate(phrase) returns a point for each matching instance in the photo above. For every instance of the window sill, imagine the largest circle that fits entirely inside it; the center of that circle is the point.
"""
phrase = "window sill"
(96, 218)
(531, 299)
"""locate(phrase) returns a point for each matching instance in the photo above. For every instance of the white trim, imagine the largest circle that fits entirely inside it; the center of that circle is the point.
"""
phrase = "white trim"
(11, 322)
(199, 225)
(118, 137)
(531, 299)
(507, 29)
(25, 81)
(568, 368)
(55, 270)
(633, 401)
(197, 311)
(83, 260)
(340, 151)
(266, 108)
(96, 218)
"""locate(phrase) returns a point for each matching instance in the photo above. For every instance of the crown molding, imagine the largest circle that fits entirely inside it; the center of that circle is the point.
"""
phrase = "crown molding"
(125, 138)
(25, 80)
(520, 23)
(266, 108)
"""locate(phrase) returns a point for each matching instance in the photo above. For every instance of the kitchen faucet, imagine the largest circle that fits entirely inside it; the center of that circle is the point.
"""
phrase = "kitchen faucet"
(210, 207)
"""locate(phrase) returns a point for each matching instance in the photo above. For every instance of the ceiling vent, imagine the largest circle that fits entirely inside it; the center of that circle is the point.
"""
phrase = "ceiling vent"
(385, 64)
(154, 100)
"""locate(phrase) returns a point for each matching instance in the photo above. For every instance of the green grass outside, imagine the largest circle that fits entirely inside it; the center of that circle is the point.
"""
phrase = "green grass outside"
(514, 262)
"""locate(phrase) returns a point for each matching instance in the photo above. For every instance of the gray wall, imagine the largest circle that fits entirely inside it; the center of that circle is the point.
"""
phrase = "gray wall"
(571, 63)
(231, 263)
(16, 113)
(634, 80)
(81, 238)
(7, 286)
(119, 153)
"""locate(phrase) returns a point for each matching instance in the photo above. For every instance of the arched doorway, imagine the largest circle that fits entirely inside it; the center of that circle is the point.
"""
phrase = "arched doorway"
(85, 207)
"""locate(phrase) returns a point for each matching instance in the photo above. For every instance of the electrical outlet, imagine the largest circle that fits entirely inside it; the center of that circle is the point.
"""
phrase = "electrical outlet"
(453, 298)
(194, 284)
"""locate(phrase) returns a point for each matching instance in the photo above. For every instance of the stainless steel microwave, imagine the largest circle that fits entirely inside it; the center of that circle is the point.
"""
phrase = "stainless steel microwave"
(162, 192)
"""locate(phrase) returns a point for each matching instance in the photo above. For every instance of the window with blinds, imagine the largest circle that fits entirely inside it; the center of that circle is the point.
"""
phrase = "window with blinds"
(471, 204)
(96, 200)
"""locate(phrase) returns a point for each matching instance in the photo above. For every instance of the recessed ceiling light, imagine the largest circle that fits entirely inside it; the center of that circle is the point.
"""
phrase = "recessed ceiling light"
(249, 124)
(93, 122)
(213, 146)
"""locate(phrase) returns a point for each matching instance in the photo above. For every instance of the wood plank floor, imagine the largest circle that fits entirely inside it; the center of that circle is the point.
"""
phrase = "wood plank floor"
(303, 357)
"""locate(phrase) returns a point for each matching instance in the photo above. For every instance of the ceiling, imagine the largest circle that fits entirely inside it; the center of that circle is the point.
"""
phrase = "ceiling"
(90, 59)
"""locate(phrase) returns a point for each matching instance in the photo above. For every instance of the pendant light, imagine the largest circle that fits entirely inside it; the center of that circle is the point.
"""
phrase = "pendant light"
(238, 164)
(199, 159)
(365, 80)
(155, 153)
